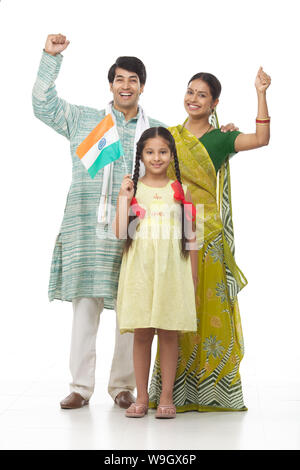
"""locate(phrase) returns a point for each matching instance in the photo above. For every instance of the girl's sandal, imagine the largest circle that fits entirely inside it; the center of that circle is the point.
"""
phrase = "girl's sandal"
(166, 411)
(136, 410)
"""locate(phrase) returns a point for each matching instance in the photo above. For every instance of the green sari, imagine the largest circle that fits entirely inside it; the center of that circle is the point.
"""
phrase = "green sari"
(207, 377)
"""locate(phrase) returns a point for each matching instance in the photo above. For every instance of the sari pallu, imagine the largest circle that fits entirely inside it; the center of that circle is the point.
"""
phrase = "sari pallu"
(207, 376)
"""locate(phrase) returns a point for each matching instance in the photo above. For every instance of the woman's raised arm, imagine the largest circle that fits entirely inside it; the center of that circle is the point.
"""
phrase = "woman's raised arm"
(262, 134)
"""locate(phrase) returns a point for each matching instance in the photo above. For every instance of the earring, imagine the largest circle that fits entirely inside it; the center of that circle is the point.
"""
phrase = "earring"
(213, 118)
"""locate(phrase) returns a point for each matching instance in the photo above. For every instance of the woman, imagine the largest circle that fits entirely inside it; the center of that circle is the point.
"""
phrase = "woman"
(207, 377)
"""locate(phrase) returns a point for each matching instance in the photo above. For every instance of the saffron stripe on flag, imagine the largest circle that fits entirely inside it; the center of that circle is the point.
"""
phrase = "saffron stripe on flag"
(95, 135)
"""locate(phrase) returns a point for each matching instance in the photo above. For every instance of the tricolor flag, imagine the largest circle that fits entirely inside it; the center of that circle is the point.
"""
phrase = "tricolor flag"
(101, 147)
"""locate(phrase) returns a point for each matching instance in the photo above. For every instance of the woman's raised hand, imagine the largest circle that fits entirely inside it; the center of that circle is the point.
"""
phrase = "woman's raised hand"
(262, 81)
(127, 187)
(56, 43)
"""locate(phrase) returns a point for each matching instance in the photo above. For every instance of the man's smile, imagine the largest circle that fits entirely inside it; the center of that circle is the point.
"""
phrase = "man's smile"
(126, 95)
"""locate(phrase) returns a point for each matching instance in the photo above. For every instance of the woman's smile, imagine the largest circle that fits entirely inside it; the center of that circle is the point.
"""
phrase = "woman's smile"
(192, 107)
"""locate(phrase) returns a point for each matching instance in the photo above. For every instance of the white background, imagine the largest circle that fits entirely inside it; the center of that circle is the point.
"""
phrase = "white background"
(175, 40)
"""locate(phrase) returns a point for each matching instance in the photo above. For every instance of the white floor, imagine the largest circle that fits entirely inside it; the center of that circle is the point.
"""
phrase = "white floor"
(30, 416)
(31, 419)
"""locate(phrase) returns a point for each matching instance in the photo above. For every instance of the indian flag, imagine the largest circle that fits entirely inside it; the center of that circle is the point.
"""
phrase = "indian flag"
(101, 147)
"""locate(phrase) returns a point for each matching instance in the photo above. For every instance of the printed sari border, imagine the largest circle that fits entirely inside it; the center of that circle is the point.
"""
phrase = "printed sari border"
(200, 408)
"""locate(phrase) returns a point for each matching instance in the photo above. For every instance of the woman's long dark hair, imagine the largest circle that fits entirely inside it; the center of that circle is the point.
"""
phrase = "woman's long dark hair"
(151, 133)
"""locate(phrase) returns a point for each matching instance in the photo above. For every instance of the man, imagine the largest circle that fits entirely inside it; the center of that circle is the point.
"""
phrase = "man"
(87, 256)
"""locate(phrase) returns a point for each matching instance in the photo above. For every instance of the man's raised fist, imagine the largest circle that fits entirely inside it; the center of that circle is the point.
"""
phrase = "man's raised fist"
(56, 43)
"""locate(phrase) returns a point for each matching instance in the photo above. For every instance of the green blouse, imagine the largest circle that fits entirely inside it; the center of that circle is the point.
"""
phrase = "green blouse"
(219, 145)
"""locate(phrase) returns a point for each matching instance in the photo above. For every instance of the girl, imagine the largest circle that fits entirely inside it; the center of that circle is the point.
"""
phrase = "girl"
(159, 271)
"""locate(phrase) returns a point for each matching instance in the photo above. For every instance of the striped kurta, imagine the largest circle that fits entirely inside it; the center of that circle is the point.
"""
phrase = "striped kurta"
(87, 256)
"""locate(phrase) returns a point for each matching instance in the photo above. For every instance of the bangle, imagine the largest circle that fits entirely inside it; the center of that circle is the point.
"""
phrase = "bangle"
(263, 120)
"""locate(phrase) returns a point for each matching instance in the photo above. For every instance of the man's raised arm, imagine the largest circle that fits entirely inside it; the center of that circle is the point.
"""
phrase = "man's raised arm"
(47, 106)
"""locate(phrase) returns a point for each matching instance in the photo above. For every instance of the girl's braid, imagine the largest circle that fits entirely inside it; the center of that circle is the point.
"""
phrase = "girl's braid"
(135, 179)
(177, 170)
(183, 238)
(136, 173)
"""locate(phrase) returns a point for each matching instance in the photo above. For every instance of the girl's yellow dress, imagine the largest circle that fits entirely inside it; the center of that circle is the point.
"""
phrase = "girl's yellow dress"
(156, 287)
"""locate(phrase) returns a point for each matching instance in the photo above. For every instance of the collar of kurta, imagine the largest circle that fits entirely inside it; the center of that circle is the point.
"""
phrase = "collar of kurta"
(120, 115)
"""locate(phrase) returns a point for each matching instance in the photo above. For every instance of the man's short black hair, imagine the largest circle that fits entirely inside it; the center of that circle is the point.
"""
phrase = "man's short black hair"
(132, 64)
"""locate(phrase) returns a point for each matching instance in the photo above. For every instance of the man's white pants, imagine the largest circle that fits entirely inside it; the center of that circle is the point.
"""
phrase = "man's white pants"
(86, 316)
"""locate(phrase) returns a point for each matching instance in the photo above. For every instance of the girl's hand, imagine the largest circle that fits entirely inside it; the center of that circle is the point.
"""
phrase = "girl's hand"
(262, 81)
(127, 187)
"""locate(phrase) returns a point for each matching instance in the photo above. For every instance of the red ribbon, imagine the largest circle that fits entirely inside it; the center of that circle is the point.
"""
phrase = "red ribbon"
(189, 208)
(137, 210)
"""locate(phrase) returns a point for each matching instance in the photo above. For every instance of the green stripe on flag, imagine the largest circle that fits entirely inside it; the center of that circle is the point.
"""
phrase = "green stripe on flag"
(107, 155)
